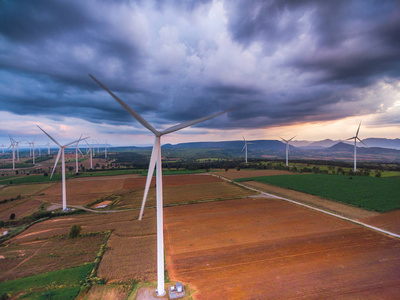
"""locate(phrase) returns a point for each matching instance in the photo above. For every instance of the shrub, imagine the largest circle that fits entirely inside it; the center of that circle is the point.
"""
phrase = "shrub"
(12, 216)
(75, 231)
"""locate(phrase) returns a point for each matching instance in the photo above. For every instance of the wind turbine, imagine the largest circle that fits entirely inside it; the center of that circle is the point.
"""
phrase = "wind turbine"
(17, 143)
(33, 151)
(76, 154)
(355, 146)
(30, 149)
(13, 151)
(105, 150)
(91, 155)
(48, 148)
(156, 159)
(287, 149)
(245, 147)
(2, 146)
(61, 152)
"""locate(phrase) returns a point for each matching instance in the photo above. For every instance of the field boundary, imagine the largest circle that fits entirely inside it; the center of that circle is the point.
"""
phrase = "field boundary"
(392, 234)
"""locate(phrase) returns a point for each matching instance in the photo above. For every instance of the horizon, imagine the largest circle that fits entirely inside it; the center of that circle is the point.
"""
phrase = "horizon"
(314, 70)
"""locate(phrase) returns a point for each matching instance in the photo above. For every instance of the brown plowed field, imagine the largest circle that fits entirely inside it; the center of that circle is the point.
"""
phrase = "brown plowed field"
(389, 221)
(171, 180)
(234, 174)
(83, 191)
(269, 249)
(21, 208)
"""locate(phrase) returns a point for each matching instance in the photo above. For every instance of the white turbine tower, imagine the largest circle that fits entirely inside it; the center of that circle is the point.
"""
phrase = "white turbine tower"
(156, 159)
(33, 151)
(17, 144)
(48, 148)
(287, 149)
(76, 155)
(13, 151)
(2, 146)
(355, 146)
(61, 152)
(245, 147)
(105, 150)
(91, 155)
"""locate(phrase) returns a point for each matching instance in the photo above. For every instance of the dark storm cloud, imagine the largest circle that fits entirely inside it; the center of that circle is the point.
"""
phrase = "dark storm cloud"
(356, 42)
(181, 60)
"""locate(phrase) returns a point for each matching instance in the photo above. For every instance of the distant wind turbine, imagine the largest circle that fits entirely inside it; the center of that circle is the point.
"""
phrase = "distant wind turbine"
(91, 155)
(355, 146)
(33, 151)
(61, 152)
(76, 155)
(2, 146)
(17, 143)
(245, 147)
(156, 160)
(287, 149)
(13, 151)
(105, 150)
(48, 148)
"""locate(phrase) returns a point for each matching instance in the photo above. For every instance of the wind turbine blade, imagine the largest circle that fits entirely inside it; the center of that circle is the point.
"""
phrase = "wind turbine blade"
(244, 139)
(80, 151)
(283, 139)
(133, 113)
(74, 142)
(292, 138)
(243, 147)
(350, 139)
(362, 142)
(150, 172)
(193, 122)
(49, 136)
(55, 164)
(358, 129)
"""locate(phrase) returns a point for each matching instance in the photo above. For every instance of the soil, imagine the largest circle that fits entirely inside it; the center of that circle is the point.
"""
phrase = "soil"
(388, 221)
(259, 248)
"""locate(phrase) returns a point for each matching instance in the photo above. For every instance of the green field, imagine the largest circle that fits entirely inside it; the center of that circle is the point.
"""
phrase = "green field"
(61, 284)
(375, 194)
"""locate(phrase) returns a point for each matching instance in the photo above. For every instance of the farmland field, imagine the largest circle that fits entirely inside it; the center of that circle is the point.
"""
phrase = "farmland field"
(375, 194)
(269, 249)
(21, 259)
(23, 190)
(129, 236)
(60, 284)
(20, 208)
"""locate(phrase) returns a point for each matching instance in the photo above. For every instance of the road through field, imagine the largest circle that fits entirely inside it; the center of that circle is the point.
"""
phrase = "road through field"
(260, 248)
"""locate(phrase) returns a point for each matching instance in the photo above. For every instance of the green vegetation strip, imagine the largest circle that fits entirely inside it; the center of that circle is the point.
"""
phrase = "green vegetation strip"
(65, 283)
(375, 194)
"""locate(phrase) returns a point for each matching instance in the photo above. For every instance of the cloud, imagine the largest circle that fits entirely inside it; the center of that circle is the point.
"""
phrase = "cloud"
(278, 63)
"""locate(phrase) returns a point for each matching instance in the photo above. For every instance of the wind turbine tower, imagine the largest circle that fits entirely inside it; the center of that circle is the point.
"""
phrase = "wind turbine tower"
(287, 149)
(91, 155)
(245, 148)
(61, 152)
(13, 151)
(76, 155)
(2, 146)
(105, 150)
(355, 146)
(156, 160)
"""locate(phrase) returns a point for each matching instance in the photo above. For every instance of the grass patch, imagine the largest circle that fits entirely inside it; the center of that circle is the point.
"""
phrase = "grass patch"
(110, 173)
(375, 194)
(66, 279)
(59, 294)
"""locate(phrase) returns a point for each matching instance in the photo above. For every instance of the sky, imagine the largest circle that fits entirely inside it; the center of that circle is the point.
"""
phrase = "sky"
(311, 68)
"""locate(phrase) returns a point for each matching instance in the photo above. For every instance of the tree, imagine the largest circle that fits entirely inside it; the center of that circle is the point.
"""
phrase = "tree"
(74, 231)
